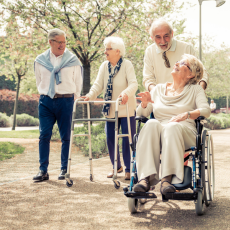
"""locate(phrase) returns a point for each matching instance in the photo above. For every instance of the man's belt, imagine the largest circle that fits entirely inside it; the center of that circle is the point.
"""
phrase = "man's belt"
(63, 95)
(60, 95)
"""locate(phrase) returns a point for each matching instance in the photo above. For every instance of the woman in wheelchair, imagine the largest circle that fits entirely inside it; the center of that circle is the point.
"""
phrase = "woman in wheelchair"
(175, 106)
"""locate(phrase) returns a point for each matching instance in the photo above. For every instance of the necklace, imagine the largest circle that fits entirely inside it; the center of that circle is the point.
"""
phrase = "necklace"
(175, 92)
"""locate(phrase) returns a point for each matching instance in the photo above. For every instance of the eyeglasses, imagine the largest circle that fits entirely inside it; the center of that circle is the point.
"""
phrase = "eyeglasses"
(59, 42)
(107, 49)
(183, 63)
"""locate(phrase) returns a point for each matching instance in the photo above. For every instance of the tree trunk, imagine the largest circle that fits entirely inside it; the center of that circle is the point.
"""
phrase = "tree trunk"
(16, 103)
(86, 86)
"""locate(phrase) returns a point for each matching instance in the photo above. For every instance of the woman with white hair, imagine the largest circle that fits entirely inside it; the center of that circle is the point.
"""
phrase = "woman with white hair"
(175, 106)
(116, 77)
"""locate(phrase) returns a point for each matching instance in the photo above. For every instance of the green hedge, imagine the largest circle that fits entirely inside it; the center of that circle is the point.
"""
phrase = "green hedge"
(21, 120)
(25, 120)
(29, 105)
(218, 121)
(98, 139)
(4, 120)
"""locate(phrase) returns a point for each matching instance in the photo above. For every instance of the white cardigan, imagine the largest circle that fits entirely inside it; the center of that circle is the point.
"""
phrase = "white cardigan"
(124, 82)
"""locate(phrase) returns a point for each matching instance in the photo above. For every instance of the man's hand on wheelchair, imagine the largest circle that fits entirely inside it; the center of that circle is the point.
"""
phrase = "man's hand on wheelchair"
(145, 98)
(180, 117)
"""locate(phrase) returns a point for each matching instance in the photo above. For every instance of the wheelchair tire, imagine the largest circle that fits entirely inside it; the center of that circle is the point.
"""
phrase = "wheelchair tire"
(207, 168)
(132, 205)
(211, 169)
(199, 204)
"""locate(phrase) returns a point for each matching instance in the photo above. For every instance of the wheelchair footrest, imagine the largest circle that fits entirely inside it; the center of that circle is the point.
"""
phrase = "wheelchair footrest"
(140, 195)
(180, 196)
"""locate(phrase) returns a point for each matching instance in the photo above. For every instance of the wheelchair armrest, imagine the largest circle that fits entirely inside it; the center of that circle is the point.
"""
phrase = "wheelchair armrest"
(141, 119)
(200, 118)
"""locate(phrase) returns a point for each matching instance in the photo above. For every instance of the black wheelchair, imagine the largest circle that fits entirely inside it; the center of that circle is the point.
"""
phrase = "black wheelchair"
(199, 179)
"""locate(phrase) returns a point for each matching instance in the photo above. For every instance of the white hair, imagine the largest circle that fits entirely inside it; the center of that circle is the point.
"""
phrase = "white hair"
(196, 66)
(158, 22)
(55, 32)
(116, 43)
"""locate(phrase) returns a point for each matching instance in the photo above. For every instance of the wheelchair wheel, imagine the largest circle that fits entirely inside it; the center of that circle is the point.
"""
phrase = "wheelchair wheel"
(132, 205)
(211, 168)
(199, 204)
(207, 168)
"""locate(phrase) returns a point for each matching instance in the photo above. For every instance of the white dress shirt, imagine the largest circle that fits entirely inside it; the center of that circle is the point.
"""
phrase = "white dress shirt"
(71, 78)
(213, 106)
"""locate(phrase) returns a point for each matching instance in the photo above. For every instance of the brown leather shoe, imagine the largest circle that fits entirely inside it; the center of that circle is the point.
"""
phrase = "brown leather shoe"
(142, 186)
(127, 176)
(110, 175)
(166, 187)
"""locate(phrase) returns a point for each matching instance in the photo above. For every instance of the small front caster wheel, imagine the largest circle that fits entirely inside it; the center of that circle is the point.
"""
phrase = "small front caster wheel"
(91, 177)
(69, 184)
(116, 184)
(142, 200)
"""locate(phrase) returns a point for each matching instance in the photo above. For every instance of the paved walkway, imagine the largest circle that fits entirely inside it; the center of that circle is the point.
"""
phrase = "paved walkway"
(19, 128)
(98, 205)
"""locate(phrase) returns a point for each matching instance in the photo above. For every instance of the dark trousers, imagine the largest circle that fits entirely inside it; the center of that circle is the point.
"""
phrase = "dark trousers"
(50, 111)
(110, 138)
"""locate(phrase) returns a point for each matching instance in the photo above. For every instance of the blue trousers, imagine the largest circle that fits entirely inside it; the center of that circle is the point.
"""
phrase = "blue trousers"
(110, 138)
(50, 111)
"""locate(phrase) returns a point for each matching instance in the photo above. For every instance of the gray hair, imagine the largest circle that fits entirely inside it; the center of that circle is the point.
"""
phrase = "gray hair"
(55, 32)
(196, 66)
(158, 22)
(116, 43)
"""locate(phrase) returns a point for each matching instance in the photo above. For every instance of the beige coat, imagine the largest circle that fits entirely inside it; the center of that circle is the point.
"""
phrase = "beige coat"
(124, 82)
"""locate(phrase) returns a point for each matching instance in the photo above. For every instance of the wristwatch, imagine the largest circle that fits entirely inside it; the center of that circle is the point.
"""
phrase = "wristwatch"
(188, 115)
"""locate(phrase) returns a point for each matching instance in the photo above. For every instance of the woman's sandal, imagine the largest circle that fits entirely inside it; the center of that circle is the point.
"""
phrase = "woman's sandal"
(167, 189)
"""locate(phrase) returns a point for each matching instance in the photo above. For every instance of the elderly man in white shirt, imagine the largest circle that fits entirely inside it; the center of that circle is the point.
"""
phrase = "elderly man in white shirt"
(58, 77)
(161, 56)
(213, 106)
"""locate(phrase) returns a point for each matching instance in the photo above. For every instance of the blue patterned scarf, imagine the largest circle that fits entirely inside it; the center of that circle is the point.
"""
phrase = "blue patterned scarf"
(109, 89)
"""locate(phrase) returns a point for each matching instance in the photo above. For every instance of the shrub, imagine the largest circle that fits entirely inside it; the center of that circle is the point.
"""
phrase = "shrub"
(4, 120)
(55, 133)
(25, 120)
(218, 121)
(98, 140)
(26, 103)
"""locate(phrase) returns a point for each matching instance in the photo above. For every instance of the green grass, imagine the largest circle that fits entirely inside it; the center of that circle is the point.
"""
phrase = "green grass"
(28, 134)
(9, 150)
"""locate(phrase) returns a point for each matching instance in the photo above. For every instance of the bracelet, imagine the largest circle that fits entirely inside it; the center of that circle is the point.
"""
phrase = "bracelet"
(188, 115)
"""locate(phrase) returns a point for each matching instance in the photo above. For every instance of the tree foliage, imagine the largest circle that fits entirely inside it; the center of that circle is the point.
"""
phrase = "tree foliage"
(217, 62)
(88, 22)
(17, 54)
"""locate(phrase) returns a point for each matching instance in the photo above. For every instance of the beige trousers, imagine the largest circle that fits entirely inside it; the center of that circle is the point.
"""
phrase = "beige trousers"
(171, 139)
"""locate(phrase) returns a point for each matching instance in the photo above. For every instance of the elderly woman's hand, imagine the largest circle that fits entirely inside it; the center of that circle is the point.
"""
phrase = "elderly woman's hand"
(180, 117)
(145, 98)
(124, 99)
(85, 98)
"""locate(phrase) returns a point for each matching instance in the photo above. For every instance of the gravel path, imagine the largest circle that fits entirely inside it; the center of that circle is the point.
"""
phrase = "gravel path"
(98, 205)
